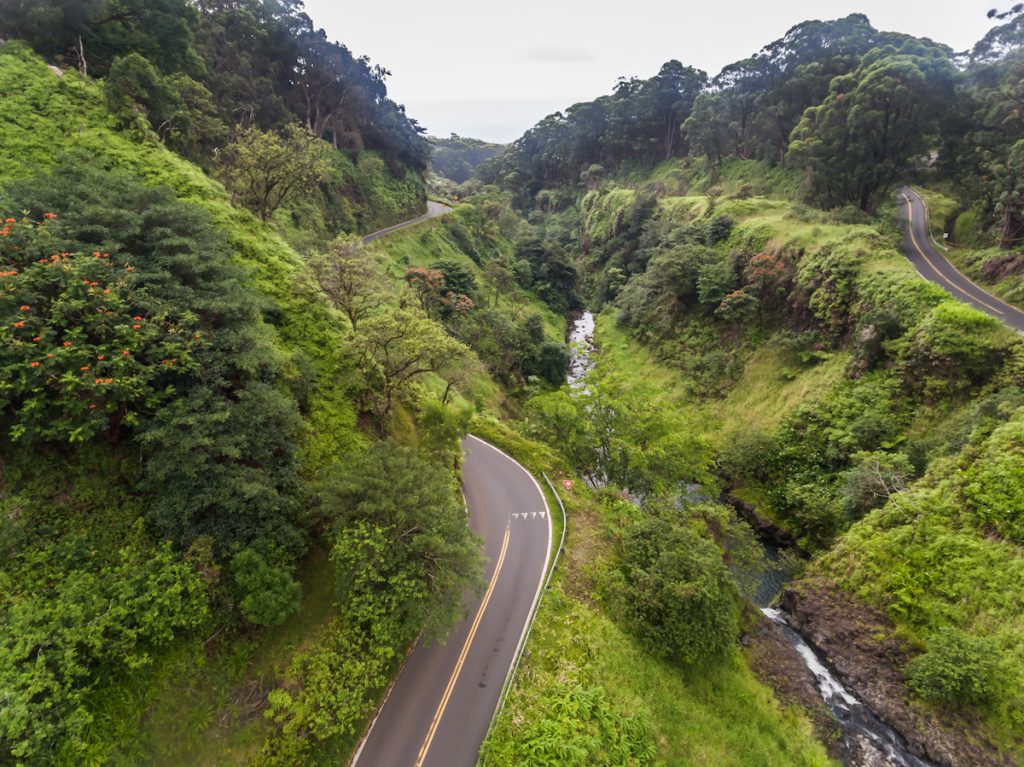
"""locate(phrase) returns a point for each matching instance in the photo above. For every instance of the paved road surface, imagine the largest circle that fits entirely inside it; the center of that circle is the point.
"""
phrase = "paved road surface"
(434, 209)
(933, 266)
(441, 705)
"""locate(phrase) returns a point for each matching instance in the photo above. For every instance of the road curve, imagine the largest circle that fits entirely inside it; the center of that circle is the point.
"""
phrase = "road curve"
(434, 209)
(440, 707)
(933, 266)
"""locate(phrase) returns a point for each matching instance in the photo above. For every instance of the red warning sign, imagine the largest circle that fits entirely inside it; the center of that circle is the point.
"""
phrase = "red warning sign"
(568, 483)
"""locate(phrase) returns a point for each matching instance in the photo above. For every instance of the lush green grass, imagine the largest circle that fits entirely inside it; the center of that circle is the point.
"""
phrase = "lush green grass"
(774, 382)
(209, 707)
(716, 714)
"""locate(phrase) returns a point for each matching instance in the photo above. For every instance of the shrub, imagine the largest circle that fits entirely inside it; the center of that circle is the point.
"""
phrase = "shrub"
(269, 595)
(957, 668)
(82, 345)
(678, 596)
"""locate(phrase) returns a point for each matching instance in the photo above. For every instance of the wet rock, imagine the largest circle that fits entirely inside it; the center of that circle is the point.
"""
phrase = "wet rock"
(862, 648)
(777, 664)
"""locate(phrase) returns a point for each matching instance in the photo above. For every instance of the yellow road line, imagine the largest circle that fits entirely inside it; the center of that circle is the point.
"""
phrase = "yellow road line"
(465, 651)
(954, 286)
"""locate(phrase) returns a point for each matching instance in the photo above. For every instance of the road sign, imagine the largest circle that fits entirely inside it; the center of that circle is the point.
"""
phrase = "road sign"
(568, 483)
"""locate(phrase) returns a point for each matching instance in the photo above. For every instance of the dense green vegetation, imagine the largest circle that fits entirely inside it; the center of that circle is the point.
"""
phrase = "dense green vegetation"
(229, 431)
(174, 391)
(632, 659)
(823, 389)
(456, 157)
(223, 83)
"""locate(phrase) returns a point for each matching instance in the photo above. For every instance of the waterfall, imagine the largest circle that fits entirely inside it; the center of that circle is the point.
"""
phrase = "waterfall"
(864, 732)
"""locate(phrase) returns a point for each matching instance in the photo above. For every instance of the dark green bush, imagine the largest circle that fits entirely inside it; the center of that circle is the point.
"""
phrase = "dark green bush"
(958, 668)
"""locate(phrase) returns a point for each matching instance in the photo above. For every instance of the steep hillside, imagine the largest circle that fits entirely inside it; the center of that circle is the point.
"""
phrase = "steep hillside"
(180, 407)
(851, 409)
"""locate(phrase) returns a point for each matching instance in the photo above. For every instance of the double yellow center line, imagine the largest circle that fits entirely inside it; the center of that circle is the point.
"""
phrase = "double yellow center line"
(947, 281)
(465, 651)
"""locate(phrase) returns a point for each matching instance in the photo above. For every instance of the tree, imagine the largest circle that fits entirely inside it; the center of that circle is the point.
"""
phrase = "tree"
(875, 121)
(403, 550)
(266, 170)
(349, 278)
(876, 477)
(677, 594)
(500, 276)
(1010, 206)
(399, 348)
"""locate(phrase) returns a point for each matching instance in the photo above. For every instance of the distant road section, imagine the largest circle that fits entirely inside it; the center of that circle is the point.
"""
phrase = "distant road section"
(434, 209)
(440, 708)
(933, 266)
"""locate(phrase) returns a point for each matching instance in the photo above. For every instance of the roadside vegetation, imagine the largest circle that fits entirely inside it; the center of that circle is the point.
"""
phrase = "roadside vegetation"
(229, 431)
(764, 343)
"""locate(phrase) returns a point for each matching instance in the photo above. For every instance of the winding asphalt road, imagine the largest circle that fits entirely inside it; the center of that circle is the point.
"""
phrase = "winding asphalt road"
(434, 209)
(440, 707)
(931, 265)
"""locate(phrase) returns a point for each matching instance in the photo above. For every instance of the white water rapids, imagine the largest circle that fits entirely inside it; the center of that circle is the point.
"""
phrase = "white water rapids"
(873, 741)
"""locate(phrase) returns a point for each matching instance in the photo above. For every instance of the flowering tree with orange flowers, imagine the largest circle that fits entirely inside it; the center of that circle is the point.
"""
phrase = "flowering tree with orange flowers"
(81, 349)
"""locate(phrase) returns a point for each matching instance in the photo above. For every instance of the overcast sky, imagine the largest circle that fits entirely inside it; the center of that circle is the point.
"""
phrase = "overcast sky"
(492, 70)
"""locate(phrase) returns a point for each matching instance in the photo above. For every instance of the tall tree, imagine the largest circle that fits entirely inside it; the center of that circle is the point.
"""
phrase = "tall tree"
(349, 277)
(265, 170)
(872, 126)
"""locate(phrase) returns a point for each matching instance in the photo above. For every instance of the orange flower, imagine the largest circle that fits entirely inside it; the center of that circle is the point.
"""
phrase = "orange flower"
(84, 367)
(67, 344)
(37, 338)
(92, 407)
(106, 291)
(18, 324)
(10, 220)
(98, 381)
(125, 353)
(35, 364)
(137, 317)
(102, 357)
(25, 307)
(136, 326)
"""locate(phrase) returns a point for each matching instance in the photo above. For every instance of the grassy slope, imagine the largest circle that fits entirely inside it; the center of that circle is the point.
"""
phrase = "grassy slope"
(427, 243)
(718, 714)
(934, 569)
(46, 120)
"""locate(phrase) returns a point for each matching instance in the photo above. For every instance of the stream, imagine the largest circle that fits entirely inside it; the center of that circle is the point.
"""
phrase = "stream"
(869, 741)
(581, 349)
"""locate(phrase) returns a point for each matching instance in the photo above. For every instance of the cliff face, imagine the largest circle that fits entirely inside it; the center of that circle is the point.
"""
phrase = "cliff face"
(863, 649)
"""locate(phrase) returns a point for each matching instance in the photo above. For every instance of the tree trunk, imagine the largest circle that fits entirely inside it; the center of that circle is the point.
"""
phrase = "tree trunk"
(83, 67)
